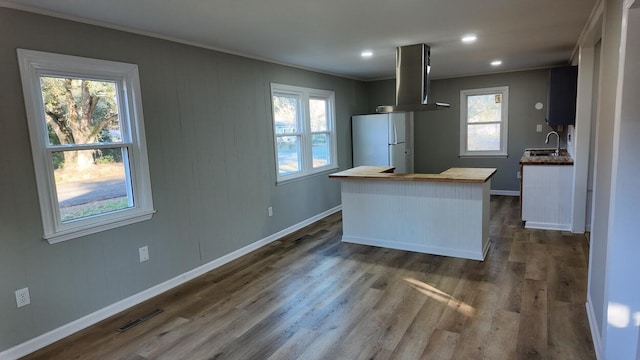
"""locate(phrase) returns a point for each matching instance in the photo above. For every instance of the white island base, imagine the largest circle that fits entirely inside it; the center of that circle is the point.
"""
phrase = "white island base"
(422, 214)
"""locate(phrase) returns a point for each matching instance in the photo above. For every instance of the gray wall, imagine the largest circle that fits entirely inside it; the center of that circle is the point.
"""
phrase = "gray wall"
(209, 138)
(437, 133)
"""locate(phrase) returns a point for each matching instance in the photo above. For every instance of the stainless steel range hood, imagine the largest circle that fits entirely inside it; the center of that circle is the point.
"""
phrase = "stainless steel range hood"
(413, 75)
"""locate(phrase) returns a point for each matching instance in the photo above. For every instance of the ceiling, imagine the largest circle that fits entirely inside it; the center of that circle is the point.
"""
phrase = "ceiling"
(329, 35)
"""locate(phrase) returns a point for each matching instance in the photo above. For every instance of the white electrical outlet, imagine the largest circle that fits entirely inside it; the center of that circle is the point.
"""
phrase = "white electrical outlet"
(270, 210)
(22, 297)
(539, 128)
(518, 175)
(144, 253)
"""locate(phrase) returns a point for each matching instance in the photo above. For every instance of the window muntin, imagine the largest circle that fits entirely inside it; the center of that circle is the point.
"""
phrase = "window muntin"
(483, 122)
(87, 135)
(304, 130)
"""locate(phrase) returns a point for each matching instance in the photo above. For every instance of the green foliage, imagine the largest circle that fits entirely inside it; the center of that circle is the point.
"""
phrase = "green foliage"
(105, 159)
(71, 99)
(80, 111)
(58, 157)
(94, 208)
(106, 156)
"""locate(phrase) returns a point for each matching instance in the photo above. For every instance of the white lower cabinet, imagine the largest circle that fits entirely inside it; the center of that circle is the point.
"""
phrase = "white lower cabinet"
(546, 196)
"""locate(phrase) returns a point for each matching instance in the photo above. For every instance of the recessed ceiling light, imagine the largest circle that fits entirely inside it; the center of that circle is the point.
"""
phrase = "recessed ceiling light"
(496, 63)
(366, 53)
(469, 38)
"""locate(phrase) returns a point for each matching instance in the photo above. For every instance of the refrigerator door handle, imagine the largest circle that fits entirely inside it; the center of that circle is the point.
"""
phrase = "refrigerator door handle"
(395, 134)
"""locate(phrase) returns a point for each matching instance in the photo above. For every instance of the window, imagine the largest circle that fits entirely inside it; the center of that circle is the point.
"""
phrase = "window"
(304, 131)
(483, 121)
(87, 141)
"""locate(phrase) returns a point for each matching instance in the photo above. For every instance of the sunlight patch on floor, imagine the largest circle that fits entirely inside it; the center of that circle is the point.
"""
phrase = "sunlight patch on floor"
(442, 297)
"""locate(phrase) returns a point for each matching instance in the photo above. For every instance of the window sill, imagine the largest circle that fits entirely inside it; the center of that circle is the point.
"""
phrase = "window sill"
(463, 156)
(89, 229)
(306, 176)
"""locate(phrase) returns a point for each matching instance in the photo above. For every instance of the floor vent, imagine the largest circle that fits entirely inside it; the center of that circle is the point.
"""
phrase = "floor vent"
(138, 321)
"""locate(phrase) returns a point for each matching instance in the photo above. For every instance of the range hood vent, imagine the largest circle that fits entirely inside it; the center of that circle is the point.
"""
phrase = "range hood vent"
(413, 76)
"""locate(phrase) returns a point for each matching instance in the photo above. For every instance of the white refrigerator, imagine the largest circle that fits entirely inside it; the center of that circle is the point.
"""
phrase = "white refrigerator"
(383, 140)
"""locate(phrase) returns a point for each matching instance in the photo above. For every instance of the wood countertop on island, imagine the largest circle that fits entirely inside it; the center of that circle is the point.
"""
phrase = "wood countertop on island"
(461, 175)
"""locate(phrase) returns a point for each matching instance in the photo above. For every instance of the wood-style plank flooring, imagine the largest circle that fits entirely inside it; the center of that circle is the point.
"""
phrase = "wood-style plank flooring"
(310, 296)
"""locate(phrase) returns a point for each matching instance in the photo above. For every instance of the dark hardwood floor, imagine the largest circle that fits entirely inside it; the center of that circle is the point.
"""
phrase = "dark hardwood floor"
(310, 296)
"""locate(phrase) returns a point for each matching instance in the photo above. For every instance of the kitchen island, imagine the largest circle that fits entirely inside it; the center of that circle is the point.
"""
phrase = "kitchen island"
(441, 214)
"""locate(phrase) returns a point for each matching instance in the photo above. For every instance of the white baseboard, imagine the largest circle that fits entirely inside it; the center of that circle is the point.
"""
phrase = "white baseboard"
(427, 249)
(68, 329)
(505, 192)
(595, 333)
(547, 226)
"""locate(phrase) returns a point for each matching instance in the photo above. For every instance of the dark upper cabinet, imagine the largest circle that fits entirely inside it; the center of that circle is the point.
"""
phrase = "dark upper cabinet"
(561, 101)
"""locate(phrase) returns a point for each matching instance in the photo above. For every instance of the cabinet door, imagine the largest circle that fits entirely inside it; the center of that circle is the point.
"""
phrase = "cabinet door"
(561, 102)
(546, 196)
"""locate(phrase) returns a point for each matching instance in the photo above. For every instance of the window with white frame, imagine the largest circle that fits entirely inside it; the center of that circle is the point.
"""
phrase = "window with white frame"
(483, 121)
(304, 130)
(88, 143)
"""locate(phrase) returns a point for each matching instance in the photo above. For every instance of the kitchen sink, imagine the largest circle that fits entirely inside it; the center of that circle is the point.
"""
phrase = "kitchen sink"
(545, 152)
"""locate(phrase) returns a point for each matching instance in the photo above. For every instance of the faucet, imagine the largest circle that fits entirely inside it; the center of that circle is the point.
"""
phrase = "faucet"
(546, 141)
